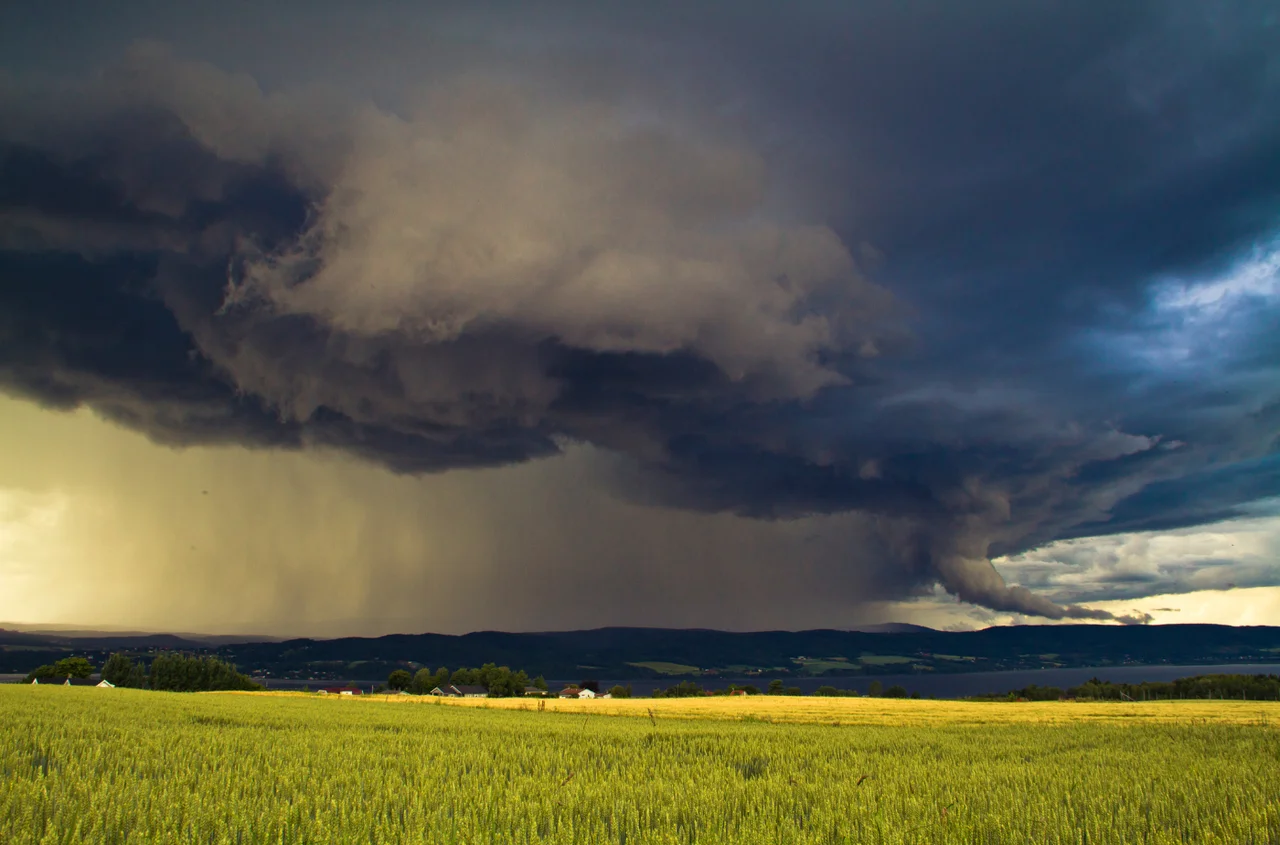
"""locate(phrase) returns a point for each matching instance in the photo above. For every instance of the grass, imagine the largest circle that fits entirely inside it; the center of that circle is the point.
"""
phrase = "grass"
(885, 712)
(87, 765)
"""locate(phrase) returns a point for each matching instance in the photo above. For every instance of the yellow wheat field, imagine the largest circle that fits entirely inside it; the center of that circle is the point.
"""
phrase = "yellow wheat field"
(85, 765)
(868, 711)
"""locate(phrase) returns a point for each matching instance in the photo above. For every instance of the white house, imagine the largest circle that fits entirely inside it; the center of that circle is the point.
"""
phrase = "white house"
(586, 693)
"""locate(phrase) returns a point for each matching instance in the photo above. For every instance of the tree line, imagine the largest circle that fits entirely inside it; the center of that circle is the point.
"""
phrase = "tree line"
(1234, 687)
(498, 681)
(174, 672)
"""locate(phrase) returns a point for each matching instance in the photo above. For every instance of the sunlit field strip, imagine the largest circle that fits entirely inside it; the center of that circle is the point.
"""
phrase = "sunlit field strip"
(868, 711)
(121, 766)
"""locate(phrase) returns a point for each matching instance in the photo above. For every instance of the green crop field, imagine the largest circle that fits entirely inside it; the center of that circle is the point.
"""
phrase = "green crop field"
(666, 668)
(817, 667)
(884, 659)
(88, 765)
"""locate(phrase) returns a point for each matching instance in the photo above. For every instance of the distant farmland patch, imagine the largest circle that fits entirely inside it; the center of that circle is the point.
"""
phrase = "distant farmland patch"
(662, 667)
(885, 659)
(818, 667)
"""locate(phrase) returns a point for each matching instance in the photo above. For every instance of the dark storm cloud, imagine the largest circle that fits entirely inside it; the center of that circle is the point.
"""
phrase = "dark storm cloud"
(670, 273)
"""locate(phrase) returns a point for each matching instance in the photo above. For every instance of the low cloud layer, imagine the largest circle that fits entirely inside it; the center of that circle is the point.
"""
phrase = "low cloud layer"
(1239, 554)
(972, 331)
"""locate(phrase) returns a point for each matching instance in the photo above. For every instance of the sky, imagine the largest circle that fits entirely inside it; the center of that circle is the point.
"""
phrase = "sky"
(324, 320)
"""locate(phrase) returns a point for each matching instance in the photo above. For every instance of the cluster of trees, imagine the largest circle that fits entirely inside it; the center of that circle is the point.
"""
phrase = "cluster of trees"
(69, 667)
(689, 689)
(1236, 687)
(184, 673)
(500, 681)
(832, 692)
(877, 690)
(684, 689)
(174, 672)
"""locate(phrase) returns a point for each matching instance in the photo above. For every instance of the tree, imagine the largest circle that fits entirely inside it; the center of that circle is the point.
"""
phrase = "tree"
(421, 684)
(775, 687)
(73, 667)
(116, 669)
(40, 673)
(619, 691)
(399, 680)
(540, 683)
(594, 686)
(120, 671)
(827, 691)
(896, 691)
(137, 677)
(876, 689)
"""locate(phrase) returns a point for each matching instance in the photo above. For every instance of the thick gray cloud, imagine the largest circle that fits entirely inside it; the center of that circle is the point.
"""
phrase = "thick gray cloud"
(921, 263)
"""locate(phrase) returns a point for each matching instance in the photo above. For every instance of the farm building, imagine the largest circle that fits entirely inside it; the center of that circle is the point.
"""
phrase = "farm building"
(575, 692)
(462, 691)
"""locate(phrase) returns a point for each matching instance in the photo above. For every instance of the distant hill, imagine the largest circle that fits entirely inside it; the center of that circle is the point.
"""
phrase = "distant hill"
(892, 628)
(72, 632)
(660, 652)
(79, 641)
